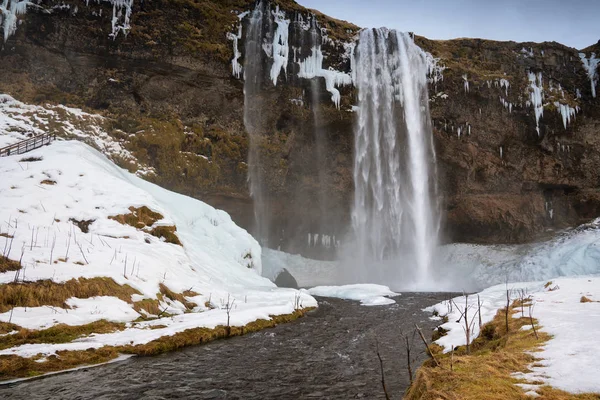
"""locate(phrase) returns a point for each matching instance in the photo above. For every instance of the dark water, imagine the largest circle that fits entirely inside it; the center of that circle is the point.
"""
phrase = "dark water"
(329, 354)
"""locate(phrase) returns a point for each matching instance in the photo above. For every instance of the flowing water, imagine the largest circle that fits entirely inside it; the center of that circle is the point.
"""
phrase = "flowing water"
(395, 215)
(258, 31)
(329, 354)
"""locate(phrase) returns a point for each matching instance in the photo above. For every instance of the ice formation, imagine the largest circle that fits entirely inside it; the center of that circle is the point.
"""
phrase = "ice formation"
(236, 67)
(505, 84)
(591, 67)
(434, 70)
(312, 67)
(536, 96)
(281, 47)
(9, 10)
(121, 16)
(395, 212)
(567, 112)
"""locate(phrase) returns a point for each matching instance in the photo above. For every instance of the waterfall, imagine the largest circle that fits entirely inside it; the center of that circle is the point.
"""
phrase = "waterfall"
(395, 218)
(259, 27)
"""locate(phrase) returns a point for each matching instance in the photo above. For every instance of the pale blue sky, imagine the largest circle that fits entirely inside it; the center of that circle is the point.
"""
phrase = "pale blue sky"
(574, 23)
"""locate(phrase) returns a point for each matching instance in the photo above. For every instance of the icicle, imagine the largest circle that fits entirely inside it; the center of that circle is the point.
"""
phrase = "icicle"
(281, 47)
(466, 83)
(9, 11)
(536, 96)
(236, 67)
(591, 66)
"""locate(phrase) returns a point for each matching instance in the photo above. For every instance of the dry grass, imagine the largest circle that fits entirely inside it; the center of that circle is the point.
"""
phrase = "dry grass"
(586, 300)
(486, 372)
(17, 367)
(57, 334)
(48, 182)
(181, 297)
(143, 218)
(7, 264)
(139, 218)
(167, 233)
(7, 327)
(48, 293)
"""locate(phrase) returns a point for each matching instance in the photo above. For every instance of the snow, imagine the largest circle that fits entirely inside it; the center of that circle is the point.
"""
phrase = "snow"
(281, 48)
(218, 259)
(536, 96)
(569, 361)
(591, 67)
(367, 294)
(312, 67)
(84, 311)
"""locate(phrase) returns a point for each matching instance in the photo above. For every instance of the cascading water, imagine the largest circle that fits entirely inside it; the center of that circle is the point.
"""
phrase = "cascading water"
(253, 81)
(395, 216)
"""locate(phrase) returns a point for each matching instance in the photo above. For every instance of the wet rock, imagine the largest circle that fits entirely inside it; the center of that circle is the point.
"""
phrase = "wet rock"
(286, 280)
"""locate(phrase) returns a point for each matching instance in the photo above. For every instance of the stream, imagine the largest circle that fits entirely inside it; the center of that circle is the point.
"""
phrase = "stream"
(329, 354)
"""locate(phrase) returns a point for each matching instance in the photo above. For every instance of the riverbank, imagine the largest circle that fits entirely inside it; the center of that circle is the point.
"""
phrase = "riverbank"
(544, 347)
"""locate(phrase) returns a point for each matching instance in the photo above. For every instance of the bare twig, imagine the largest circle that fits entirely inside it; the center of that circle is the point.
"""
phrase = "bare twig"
(387, 396)
(427, 346)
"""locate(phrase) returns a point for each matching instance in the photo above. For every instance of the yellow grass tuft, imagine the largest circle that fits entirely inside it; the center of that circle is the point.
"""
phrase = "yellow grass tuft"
(49, 293)
(7, 264)
(143, 218)
(586, 300)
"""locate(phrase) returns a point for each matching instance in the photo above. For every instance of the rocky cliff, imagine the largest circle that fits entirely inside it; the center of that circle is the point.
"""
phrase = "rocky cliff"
(516, 125)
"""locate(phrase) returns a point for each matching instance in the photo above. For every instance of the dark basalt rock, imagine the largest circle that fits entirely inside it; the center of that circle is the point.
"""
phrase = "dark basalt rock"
(286, 280)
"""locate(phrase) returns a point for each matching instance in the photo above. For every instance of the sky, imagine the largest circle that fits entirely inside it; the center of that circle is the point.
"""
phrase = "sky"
(575, 23)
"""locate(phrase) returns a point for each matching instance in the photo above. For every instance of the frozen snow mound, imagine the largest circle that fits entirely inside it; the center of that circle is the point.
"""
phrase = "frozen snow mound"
(47, 193)
(367, 294)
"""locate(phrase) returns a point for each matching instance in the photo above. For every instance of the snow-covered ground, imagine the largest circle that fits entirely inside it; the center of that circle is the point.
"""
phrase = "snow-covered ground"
(571, 359)
(218, 259)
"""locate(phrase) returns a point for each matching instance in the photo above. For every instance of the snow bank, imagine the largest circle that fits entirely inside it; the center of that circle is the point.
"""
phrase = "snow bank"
(218, 259)
(571, 359)
(367, 294)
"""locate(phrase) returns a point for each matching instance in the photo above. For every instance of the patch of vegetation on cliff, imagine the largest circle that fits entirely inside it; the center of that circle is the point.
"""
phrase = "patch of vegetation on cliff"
(487, 372)
(189, 159)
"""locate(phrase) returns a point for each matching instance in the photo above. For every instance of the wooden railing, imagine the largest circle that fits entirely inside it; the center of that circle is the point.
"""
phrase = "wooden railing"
(28, 144)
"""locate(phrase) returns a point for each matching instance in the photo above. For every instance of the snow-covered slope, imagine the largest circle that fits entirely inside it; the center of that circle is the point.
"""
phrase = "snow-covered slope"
(217, 259)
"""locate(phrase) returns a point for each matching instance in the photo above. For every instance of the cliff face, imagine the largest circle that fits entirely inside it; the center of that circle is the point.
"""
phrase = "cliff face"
(168, 92)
